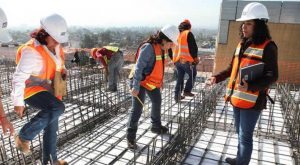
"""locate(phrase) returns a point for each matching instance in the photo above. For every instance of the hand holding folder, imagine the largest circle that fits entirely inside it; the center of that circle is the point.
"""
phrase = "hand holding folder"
(251, 73)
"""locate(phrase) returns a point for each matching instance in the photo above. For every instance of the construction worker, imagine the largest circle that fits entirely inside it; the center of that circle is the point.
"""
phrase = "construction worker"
(148, 78)
(112, 59)
(185, 59)
(40, 64)
(4, 38)
(250, 98)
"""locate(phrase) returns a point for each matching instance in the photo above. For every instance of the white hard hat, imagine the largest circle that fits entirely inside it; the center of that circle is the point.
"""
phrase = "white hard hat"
(56, 26)
(4, 35)
(254, 10)
(171, 32)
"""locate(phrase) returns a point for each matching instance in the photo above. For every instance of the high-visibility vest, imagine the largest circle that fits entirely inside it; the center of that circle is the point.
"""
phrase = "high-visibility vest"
(111, 48)
(252, 55)
(42, 81)
(19, 51)
(181, 51)
(155, 78)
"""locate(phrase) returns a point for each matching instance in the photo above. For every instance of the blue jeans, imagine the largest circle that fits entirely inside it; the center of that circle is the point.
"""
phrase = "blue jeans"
(245, 121)
(136, 111)
(181, 70)
(46, 119)
(114, 66)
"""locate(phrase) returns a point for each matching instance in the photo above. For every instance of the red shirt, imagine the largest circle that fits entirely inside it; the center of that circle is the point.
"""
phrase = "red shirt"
(103, 52)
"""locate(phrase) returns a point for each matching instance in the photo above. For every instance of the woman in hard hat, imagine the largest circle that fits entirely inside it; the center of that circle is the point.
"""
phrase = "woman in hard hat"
(148, 78)
(4, 37)
(249, 98)
(39, 62)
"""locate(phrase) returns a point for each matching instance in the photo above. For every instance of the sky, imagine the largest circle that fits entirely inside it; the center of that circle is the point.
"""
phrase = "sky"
(114, 13)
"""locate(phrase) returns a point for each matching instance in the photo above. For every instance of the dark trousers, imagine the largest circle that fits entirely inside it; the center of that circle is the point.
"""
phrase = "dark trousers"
(46, 119)
(136, 111)
(181, 70)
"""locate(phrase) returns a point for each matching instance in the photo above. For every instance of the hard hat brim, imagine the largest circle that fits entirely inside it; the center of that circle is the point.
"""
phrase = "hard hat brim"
(4, 36)
(244, 19)
(247, 19)
(62, 39)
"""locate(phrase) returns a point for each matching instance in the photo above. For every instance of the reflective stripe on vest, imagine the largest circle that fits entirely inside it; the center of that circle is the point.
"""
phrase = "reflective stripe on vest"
(238, 98)
(43, 81)
(243, 95)
(112, 48)
(182, 50)
(155, 78)
(105, 59)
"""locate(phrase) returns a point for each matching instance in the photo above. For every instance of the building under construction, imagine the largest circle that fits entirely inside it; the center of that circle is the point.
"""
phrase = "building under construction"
(92, 129)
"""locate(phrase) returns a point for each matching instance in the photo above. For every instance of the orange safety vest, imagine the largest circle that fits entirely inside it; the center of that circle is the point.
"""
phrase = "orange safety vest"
(43, 81)
(181, 51)
(252, 55)
(155, 78)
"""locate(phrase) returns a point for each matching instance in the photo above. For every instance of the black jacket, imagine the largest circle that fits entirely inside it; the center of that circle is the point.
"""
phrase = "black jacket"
(270, 73)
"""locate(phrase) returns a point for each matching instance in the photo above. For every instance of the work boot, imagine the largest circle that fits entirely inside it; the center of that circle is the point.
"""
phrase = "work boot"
(60, 162)
(111, 89)
(177, 99)
(231, 161)
(131, 144)
(159, 130)
(188, 94)
(22, 145)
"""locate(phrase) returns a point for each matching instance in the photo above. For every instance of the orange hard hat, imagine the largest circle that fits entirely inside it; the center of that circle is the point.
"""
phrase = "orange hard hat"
(187, 21)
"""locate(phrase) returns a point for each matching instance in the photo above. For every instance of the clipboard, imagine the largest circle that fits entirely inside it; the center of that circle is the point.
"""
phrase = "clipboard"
(251, 73)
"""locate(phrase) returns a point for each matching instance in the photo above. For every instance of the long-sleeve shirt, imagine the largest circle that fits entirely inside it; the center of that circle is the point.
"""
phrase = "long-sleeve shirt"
(31, 63)
(104, 53)
(144, 65)
(270, 73)
(193, 48)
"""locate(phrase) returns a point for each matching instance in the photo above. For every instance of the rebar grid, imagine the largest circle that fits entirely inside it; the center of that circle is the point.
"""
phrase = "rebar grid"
(93, 128)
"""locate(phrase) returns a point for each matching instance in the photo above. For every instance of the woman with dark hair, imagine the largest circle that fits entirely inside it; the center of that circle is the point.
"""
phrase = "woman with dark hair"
(40, 68)
(147, 78)
(249, 98)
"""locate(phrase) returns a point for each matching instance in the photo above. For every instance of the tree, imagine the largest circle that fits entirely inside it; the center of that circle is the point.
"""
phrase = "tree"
(89, 41)
(105, 38)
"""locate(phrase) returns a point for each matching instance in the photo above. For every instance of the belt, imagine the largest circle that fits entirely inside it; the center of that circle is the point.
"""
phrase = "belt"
(183, 61)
